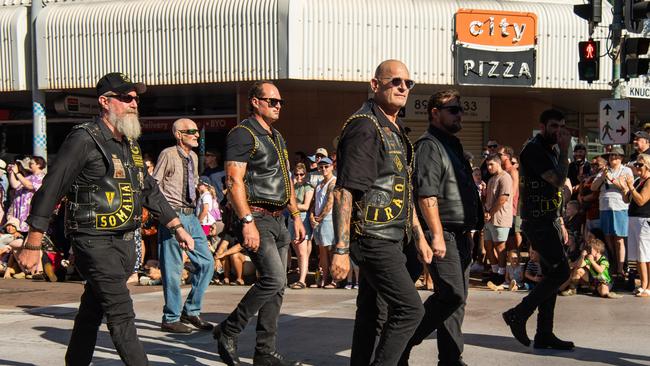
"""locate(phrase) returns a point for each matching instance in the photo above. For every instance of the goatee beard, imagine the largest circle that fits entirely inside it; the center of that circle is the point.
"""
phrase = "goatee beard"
(128, 125)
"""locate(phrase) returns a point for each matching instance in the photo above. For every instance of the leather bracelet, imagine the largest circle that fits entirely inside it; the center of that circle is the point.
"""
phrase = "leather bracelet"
(341, 251)
(174, 228)
(31, 247)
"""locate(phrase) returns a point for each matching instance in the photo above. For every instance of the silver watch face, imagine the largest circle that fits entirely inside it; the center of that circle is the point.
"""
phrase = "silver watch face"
(248, 218)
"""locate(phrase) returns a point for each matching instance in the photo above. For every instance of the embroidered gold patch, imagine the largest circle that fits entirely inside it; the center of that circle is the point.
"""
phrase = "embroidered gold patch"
(110, 196)
(123, 213)
(398, 163)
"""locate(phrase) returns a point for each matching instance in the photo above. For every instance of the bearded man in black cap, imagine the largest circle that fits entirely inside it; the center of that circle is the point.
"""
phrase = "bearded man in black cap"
(100, 169)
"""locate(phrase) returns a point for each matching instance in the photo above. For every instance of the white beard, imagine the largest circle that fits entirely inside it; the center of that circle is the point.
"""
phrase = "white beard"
(128, 125)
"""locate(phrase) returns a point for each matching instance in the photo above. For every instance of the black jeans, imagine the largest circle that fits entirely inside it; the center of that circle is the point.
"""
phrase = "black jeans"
(265, 297)
(105, 263)
(383, 276)
(546, 238)
(445, 309)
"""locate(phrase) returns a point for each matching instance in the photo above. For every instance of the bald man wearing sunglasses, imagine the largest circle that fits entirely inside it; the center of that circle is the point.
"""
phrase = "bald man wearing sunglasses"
(374, 218)
(100, 169)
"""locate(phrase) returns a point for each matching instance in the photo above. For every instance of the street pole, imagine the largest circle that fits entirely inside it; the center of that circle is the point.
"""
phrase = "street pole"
(617, 31)
(39, 142)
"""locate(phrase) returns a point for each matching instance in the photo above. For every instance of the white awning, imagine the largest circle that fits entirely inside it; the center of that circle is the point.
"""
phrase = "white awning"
(345, 40)
(13, 48)
(160, 42)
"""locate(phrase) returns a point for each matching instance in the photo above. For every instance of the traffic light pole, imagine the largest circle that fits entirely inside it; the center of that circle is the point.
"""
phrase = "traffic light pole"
(617, 31)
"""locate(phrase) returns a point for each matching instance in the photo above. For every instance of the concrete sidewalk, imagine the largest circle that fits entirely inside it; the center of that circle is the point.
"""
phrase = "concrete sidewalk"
(316, 328)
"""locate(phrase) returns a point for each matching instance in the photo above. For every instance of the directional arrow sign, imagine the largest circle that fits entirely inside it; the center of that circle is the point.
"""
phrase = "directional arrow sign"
(615, 126)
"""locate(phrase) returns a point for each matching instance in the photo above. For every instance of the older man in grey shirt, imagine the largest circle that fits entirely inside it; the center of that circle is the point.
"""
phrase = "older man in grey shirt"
(177, 175)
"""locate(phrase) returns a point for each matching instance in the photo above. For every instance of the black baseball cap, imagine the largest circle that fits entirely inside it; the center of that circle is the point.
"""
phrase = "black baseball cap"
(119, 83)
(579, 147)
(642, 134)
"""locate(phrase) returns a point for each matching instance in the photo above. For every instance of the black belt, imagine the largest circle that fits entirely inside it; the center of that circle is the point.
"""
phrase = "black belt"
(184, 210)
(129, 235)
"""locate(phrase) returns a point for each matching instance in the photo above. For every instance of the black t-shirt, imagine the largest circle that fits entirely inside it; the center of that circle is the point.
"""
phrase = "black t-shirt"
(574, 170)
(359, 158)
(541, 200)
(239, 144)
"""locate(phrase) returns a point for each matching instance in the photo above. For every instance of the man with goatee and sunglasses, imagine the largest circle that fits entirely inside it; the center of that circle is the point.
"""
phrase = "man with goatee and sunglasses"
(259, 190)
(374, 218)
(100, 169)
(449, 208)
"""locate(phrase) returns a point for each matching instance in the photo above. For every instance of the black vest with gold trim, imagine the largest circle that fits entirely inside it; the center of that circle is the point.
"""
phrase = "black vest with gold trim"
(267, 176)
(384, 211)
(111, 204)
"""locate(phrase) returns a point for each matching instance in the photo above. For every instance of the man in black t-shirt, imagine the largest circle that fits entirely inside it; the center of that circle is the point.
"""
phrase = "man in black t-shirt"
(373, 218)
(543, 174)
(259, 190)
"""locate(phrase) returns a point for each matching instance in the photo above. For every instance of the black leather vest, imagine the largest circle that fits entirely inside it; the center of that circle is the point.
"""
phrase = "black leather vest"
(458, 202)
(539, 200)
(384, 211)
(111, 204)
(267, 176)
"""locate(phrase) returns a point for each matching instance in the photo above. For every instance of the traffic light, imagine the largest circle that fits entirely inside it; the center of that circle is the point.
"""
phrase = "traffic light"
(588, 66)
(634, 13)
(632, 65)
(592, 11)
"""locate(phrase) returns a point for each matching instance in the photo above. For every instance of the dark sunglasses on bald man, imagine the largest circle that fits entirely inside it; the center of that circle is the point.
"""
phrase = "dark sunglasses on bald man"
(125, 98)
(398, 82)
(192, 131)
(273, 102)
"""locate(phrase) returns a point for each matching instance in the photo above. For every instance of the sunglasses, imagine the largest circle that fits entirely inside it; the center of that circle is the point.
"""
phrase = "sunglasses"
(398, 82)
(192, 131)
(455, 109)
(324, 166)
(273, 102)
(493, 146)
(125, 98)
(638, 165)
(300, 174)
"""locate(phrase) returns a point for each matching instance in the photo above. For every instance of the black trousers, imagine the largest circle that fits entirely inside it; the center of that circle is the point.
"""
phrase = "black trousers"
(265, 297)
(105, 263)
(546, 239)
(445, 309)
(383, 278)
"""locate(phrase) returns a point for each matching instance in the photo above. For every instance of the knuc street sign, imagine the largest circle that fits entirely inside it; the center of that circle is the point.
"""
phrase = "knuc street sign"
(614, 121)
(642, 92)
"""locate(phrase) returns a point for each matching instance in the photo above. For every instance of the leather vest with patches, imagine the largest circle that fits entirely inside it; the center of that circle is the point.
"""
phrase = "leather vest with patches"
(267, 176)
(384, 211)
(113, 203)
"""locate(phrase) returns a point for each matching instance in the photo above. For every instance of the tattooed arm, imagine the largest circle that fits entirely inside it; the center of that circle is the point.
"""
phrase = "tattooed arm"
(330, 201)
(294, 210)
(423, 248)
(429, 209)
(342, 215)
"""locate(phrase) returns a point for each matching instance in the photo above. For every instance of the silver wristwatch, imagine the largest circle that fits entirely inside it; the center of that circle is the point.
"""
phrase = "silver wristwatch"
(246, 219)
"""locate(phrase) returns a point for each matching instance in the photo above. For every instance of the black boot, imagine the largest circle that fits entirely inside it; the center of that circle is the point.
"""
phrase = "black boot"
(273, 359)
(550, 341)
(517, 326)
(227, 347)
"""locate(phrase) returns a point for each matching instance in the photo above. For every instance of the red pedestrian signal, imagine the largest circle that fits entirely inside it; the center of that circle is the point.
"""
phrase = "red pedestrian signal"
(588, 67)
(588, 50)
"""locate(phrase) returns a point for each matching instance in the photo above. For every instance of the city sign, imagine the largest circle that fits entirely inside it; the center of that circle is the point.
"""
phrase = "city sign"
(614, 121)
(495, 48)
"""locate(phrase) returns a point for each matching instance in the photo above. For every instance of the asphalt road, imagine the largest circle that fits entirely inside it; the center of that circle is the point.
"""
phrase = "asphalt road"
(316, 327)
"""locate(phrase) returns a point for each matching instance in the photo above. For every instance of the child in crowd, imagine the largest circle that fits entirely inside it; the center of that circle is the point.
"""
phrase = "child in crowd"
(593, 270)
(574, 222)
(514, 278)
(533, 273)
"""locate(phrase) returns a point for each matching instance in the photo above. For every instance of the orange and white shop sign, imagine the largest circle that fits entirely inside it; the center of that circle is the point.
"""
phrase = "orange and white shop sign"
(495, 28)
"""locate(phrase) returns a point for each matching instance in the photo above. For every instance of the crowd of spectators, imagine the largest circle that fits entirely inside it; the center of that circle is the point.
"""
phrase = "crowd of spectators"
(605, 203)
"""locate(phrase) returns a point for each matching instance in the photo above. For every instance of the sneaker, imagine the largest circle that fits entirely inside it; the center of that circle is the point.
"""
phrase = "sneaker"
(348, 286)
(355, 287)
(550, 341)
(568, 292)
(517, 326)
